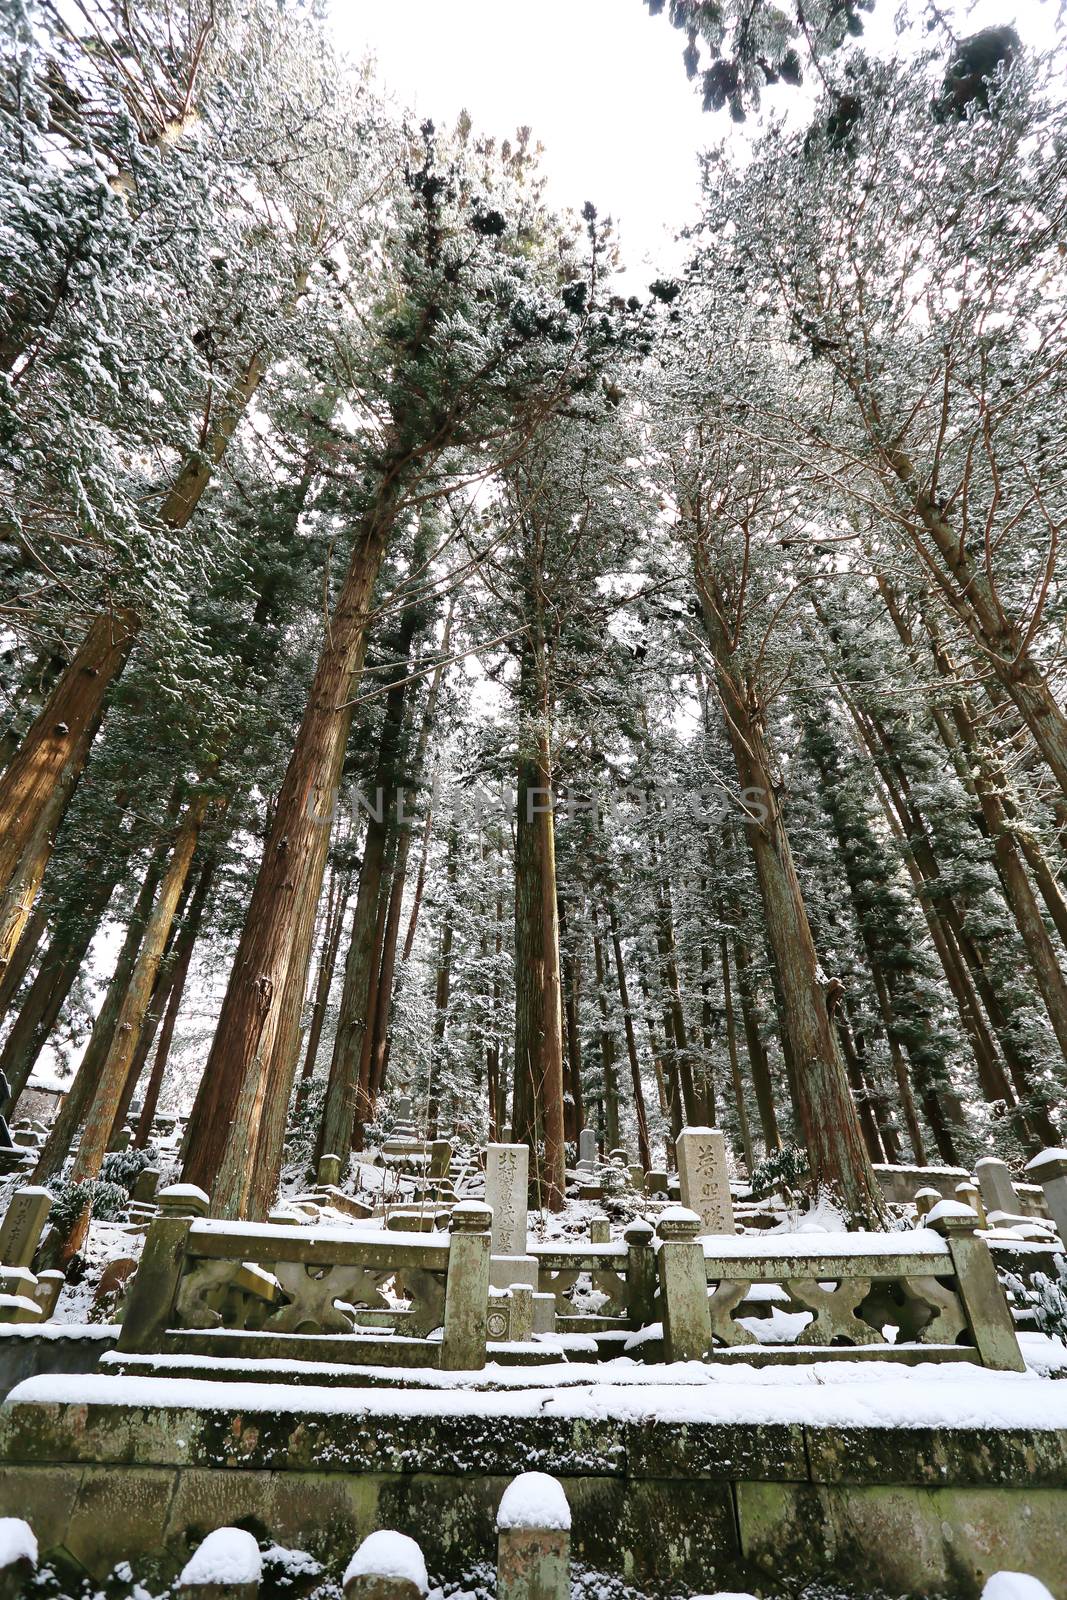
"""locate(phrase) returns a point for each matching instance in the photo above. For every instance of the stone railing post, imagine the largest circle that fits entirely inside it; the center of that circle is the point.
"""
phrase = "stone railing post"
(467, 1288)
(227, 1565)
(640, 1273)
(18, 1557)
(978, 1287)
(152, 1291)
(925, 1201)
(533, 1560)
(969, 1194)
(1049, 1169)
(684, 1286)
(387, 1566)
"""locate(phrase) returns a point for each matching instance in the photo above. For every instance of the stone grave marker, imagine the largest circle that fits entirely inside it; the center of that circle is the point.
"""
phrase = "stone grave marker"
(20, 1231)
(586, 1150)
(705, 1183)
(994, 1180)
(506, 1179)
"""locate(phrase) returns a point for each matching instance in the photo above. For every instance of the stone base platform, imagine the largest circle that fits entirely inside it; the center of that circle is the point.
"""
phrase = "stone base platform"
(691, 1482)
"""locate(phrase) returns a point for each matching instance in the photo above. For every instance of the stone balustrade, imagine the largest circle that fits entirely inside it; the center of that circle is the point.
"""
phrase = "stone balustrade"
(780, 1298)
(622, 1273)
(253, 1290)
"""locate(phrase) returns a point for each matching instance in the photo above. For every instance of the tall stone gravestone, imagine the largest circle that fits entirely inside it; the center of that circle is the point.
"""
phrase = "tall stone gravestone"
(705, 1183)
(507, 1169)
(586, 1150)
(20, 1231)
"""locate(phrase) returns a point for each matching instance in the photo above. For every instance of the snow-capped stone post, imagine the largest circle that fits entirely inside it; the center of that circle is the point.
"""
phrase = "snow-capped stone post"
(467, 1288)
(683, 1280)
(969, 1194)
(640, 1272)
(925, 1201)
(20, 1231)
(978, 1287)
(1049, 1169)
(18, 1557)
(533, 1560)
(227, 1565)
(998, 1191)
(182, 1200)
(387, 1566)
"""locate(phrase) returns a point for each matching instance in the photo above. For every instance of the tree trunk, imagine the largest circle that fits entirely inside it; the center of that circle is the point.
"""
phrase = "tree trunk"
(62, 1133)
(607, 1037)
(758, 1061)
(731, 1045)
(100, 1120)
(23, 958)
(644, 1148)
(832, 1134)
(292, 866)
(36, 787)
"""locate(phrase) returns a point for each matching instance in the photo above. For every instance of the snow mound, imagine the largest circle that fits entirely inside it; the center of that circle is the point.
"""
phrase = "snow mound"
(17, 1542)
(229, 1555)
(949, 1208)
(1014, 1586)
(387, 1554)
(723, 1595)
(534, 1500)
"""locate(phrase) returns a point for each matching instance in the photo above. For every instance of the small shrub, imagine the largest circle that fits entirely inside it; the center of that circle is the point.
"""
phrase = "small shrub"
(787, 1165)
(107, 1202)
(125, 1166)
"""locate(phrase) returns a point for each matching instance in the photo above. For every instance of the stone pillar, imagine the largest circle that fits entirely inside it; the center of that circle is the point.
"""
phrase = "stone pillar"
(998, 1191)
(705, 1183)
(466, 1289)
(441, 1159)
(20, 1231)
(684, 1286)
(586, 1150)
(926, 1200)
(533, 1540)
(328, 1172)
(979, 1288)
(640, 1273)
(227, 1565)
(599, 1230)
(1049, 1169)
(969, 1194)
(387, 1566)
(145, 1185)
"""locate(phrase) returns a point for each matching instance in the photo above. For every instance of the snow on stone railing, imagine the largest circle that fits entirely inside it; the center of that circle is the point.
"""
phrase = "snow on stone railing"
(936, 1286)
(623, 1272)
(227, 1565)
(206, 1286)
(533, 1555)
(387, 1566)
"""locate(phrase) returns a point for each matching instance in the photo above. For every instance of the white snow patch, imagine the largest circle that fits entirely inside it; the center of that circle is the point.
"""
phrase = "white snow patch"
(387, 1554)
(17, 1542)
(229, 1555)
(1014, 1586)
(917, 1241)
(534, 1500)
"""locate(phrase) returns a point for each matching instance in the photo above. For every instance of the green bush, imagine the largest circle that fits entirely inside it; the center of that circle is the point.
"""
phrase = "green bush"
(107, 1202)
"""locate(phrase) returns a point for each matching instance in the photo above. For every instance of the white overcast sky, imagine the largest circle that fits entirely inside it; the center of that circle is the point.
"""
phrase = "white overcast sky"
(600, 83)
